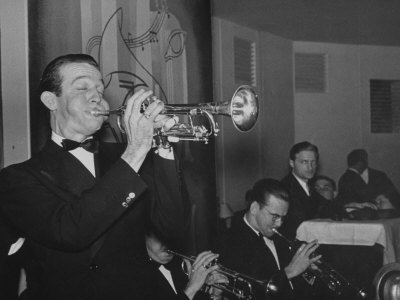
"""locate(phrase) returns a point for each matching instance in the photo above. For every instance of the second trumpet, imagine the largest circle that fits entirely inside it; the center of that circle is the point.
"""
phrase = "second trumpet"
(328, 275)
(240, 285)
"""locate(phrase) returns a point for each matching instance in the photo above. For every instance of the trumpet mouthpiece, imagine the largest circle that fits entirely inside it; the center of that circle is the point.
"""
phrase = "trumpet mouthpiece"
(98, 113)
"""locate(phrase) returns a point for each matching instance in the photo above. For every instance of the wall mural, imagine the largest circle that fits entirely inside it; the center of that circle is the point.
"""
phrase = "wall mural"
(136, 48)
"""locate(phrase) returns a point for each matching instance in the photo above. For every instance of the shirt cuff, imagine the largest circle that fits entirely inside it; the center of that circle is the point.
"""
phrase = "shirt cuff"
(16, 246)
(166, 153)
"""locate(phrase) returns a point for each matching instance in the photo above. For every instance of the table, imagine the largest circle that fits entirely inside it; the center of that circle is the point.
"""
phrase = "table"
(385, 232)
(356, 249)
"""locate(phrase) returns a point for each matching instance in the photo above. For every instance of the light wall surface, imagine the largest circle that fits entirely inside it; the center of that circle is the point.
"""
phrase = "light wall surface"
(384, 149)
(244, 158)
(277, 112)
(338, 121)
(14, 81)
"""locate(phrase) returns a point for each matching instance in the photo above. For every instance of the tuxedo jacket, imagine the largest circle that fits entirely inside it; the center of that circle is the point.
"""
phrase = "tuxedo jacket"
(85, 235)
(158, 287)
(301, 206)
(245, 252)
(352, 188)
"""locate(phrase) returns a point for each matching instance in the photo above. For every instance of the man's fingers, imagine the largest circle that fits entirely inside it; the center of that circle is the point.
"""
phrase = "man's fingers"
(153, 110)
(316, 258)
(134, 103)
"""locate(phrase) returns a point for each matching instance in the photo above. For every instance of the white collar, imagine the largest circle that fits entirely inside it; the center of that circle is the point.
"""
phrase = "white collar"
(303, 184)
(354, 170)
(56, 138)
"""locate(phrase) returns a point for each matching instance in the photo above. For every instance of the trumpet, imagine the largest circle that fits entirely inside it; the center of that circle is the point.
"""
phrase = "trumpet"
(240, 285)
(328, 275)
(243, 108)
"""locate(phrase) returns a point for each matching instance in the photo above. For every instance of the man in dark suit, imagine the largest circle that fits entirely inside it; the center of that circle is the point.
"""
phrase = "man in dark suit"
(305, 203)
(252, 248)
(361, 186)
(81, 208)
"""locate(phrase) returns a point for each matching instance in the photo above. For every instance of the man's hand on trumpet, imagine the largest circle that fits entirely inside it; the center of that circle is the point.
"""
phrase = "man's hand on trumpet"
(213, 279)
(302, 259)
(139, 126)
(203, 272)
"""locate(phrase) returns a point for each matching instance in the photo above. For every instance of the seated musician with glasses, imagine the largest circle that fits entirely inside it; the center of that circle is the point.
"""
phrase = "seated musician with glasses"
(78, 203)
(252, 247)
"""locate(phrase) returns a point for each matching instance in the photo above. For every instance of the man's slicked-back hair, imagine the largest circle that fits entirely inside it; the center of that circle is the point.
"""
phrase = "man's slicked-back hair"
(356, 156)
(51, 80)
(302, 146)
(263, 189)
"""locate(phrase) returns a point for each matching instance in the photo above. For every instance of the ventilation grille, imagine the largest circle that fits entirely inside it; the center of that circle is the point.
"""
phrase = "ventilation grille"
(310, 72)
(385, 106)
(244, 61)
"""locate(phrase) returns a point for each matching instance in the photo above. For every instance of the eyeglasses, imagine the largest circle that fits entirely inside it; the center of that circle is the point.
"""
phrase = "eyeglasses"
(275, 217)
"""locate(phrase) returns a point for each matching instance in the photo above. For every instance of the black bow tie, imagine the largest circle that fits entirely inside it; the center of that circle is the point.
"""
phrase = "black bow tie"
(169, 266)
(90, 145)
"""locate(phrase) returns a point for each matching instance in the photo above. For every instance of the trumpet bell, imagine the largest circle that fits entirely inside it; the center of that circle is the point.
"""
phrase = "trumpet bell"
(244, 108)
(387, 282)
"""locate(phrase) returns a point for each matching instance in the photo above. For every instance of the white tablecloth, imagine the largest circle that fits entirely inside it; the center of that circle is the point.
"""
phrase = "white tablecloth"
(384, 232)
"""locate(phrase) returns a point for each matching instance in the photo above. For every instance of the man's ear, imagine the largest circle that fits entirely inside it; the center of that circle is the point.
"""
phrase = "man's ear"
(291, 163)
(254, 207)
(49, 99)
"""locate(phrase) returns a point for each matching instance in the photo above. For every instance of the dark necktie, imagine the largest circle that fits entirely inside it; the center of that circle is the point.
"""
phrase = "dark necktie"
(90, 145)
(260, 235)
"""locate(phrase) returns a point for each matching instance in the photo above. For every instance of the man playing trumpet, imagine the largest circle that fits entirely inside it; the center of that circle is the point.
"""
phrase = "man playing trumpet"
(79, 206)
(252, 249)
(170, 277)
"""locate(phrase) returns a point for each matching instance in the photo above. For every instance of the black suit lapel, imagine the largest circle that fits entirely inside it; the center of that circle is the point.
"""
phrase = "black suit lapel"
(103, 160)
(178, 276)
(108, 154)
(164, 289)
(266, 258)
(67, 173)
(62, 169)
(309, 202)
(268, 253)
